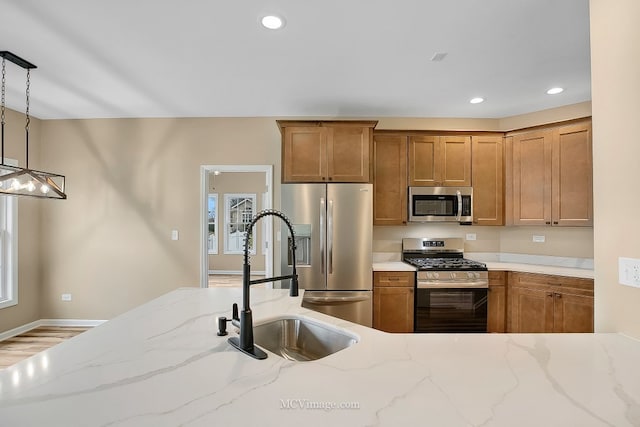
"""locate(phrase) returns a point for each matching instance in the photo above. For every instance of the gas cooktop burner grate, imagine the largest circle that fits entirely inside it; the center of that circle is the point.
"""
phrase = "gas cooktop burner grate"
(445, 264)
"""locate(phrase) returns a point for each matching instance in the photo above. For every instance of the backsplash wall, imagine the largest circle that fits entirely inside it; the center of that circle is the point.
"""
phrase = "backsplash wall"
(576, 242)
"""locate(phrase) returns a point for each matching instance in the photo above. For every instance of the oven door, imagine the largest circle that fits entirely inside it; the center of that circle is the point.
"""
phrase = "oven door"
(451, 310)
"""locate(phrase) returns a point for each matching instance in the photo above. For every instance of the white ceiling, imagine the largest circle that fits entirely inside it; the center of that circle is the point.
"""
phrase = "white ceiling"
(334, 58)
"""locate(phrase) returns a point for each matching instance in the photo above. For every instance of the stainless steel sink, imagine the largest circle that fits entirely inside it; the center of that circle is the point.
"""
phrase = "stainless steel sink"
(301, 339)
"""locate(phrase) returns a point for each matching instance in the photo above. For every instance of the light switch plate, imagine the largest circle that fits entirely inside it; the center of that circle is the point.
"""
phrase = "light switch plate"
(471, 236)
(538, 239)
(66, 297)
(629, 272)
(174, 234)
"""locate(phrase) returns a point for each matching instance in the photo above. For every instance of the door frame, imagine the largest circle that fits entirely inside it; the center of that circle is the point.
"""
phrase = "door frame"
(267, 203)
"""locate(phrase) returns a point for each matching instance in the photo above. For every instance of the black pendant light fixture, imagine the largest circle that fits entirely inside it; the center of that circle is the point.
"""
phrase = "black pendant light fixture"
(18, 181)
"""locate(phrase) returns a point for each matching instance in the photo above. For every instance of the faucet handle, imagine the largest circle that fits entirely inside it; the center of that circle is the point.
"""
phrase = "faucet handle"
(234, 314)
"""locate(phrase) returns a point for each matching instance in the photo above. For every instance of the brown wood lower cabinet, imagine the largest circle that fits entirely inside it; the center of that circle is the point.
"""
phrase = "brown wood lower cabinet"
(497, 302)
(546, 303)
(393, 300)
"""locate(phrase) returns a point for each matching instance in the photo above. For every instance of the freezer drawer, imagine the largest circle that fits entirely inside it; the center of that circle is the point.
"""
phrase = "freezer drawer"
(354, 306)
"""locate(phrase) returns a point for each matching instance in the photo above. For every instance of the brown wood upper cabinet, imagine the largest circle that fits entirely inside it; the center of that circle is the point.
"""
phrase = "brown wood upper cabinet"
(440, 161)
(488, 179)
(326, 151)
(389, 179)
(551, 176)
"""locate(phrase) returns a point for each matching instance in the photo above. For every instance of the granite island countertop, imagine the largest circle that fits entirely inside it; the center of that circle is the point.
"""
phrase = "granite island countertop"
(161, 364)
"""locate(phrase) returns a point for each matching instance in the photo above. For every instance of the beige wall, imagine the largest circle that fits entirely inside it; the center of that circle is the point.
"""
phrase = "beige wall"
(237, 182)
(615, 67)
(29, 231)
(130, 182)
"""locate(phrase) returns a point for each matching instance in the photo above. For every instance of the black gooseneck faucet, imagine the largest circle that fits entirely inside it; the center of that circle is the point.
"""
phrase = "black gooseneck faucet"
(244, 342)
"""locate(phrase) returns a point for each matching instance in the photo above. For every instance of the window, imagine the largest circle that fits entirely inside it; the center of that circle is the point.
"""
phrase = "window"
(212, 208)
(238, 212)
(8, 250)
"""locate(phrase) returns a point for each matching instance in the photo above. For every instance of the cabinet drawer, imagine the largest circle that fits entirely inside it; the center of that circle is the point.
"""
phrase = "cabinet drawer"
(552, 283)
(393, 279)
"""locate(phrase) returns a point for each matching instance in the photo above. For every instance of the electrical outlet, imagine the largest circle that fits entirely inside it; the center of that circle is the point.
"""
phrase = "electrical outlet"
(471, 236)
(174, 234)
(629, 272)
(538, 239)
(66, 297)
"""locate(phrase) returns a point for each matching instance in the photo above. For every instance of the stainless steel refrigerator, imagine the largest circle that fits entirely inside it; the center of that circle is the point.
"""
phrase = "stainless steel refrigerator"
(333, 224)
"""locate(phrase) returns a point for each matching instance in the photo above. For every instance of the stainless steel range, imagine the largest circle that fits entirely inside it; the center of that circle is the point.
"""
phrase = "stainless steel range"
(451, 291)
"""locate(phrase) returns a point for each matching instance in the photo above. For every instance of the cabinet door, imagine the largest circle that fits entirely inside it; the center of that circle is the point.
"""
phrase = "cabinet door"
(531, 310)
(393, 309)
(455, 161)
(487, 179)
(424, 154)
(572, 313)
(390, 180)
(532, 178)
(393, 300)
(304, 154)
(497, 304)
(572, 200)
(348, 153)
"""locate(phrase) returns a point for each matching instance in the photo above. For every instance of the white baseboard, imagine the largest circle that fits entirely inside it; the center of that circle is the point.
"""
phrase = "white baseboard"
(81, 323)
(49, 322)
(19, 330)
(236, 272)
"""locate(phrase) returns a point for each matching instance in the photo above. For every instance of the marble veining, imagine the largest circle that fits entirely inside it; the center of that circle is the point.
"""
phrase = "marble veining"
(162, 364)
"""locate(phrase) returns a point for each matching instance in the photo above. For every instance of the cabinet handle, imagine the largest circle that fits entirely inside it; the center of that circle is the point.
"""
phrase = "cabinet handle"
(323, 178)
(330, 178)
(555, 222)
(550, 294)
(394, 279)
(548, 222)
(558, 295)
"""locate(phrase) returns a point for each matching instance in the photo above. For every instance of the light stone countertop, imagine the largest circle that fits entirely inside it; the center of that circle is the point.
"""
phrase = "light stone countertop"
(505, 262)
(162, 364)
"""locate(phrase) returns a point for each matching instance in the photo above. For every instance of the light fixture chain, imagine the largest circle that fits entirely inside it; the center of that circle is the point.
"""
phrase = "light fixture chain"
(4, 81)
(27, 92)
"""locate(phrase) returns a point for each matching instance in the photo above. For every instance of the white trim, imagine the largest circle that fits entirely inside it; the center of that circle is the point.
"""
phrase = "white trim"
(9, 252)
(80, 323)
(204, 191)
(19, 330)
(49, 322)
(215, 224)
(236, 272)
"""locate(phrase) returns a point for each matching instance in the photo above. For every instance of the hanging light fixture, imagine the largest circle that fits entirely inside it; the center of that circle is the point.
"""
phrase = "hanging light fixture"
(18, 181)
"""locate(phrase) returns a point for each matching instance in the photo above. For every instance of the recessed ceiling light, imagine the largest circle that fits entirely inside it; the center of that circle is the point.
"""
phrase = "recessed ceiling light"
(554, 90)
(438, 56)
(272, 22)
(477, 100)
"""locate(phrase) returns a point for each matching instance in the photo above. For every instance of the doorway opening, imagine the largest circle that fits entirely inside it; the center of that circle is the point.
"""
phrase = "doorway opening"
(230, 196)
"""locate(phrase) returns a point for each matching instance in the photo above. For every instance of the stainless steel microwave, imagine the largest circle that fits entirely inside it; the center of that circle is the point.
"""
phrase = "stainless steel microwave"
(441, 204)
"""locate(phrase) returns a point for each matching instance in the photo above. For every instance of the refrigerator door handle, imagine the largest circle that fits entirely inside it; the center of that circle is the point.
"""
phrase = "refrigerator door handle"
(323, 233)
(330, 236)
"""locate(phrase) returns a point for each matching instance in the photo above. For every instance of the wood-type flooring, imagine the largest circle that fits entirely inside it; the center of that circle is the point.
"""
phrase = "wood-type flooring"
(27, 344)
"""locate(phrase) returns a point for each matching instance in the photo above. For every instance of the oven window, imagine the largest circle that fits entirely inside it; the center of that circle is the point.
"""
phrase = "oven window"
(451, 310)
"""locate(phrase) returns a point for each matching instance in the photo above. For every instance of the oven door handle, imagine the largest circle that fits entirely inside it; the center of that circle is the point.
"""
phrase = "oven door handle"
(459, 195)
(478, 284)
